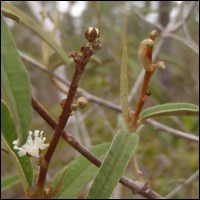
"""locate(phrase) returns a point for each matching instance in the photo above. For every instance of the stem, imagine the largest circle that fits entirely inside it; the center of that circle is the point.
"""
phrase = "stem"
(133, 185)
(134, 124)
(64, 116)
(142, 99)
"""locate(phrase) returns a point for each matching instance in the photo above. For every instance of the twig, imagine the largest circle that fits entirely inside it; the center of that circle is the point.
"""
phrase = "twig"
(80, 66)
(185, 41)
(100, 101)
(157, 25)
(171, 131)
(186, 182)
(173, 26)
(133, 185)
(82, 129)
(142, 98)
(82, 92)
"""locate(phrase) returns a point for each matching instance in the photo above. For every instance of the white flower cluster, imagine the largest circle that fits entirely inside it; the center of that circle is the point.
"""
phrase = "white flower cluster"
(32, 147)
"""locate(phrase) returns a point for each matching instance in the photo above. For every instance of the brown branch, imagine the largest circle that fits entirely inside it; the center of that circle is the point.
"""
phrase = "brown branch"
(142, 98)
(103, 102)
(133, 185)
(80, 66)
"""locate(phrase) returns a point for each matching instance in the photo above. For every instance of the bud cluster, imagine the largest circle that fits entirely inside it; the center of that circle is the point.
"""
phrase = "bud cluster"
(91, 35)
(81, 103)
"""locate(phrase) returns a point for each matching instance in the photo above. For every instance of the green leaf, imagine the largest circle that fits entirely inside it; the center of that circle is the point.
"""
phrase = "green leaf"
(79, 173)
(112, 168)
(14, 13)
(9, 181)
(16, 83)
(8, 135)
(124, 85)
(170, 109)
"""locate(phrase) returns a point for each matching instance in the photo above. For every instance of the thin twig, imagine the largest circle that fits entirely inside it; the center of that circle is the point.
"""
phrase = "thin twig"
(173, 26)
(83, 130)
(142, 98)
(82, 92)
(157, 25)
(87, 52)
(171, 131)
(103, 102)
(186, 182)
(186, 42)
(136, 187)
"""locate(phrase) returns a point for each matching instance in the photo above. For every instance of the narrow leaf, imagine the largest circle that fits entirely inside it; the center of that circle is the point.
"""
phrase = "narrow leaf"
(14, 13)
(8, 135)
(79, 173)
(170, 109)
(112, 168)
(124, 85)
(16, 83)
(8, 182)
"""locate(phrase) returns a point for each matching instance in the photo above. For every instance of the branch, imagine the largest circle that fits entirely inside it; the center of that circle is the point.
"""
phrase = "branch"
(157, 25)
(82, 92)
(81, 61)
(142, 98)
(100, 101)
(186, 182)
(174, 26)
(172, 131)
(185, 41)
(133, 185)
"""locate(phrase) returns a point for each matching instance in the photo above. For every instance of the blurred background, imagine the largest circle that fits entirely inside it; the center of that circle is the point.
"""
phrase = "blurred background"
(166, 160)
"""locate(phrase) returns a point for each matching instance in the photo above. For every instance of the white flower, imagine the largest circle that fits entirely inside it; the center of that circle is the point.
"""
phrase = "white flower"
(32, 147)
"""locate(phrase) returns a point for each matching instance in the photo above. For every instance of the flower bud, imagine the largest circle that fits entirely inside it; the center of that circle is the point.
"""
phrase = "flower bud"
(82, 102)
(153, 34)
(77, 59)
(73, 54)
(91, 34)
(72, 113)
(160, 65)
(74, 107)
(96, 45)
(145, 53)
